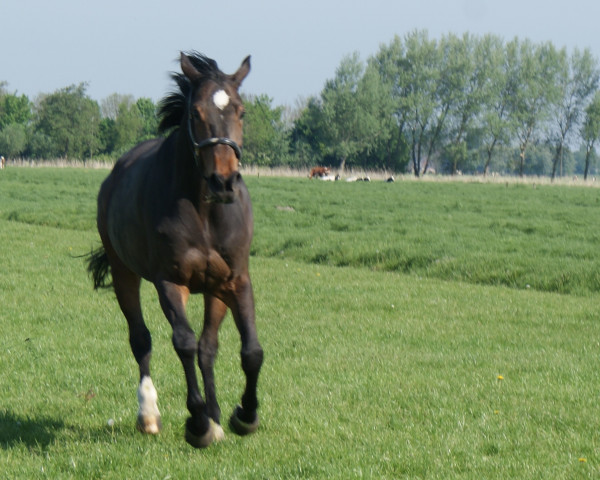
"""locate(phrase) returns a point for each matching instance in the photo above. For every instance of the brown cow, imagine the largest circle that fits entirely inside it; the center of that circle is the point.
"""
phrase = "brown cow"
(319, 172)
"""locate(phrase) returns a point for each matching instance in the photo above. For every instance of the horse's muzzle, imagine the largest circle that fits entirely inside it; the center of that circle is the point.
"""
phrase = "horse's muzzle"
(223, 190)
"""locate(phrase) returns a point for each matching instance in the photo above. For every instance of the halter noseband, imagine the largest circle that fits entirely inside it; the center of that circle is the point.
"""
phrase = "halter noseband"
(209, 142)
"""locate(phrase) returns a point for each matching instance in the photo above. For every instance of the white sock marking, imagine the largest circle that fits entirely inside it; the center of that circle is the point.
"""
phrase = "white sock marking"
(147, 397)
(221, 99)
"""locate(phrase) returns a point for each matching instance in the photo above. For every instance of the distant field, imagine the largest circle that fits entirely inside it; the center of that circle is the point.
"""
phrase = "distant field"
(411, 330)
(519, 235)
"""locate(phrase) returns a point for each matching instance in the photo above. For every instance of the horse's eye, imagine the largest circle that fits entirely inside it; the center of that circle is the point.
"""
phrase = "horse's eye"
(242, 114)
(195, 114)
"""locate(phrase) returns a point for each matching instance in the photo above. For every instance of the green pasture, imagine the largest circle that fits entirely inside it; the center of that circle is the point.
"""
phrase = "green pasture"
(414, 330)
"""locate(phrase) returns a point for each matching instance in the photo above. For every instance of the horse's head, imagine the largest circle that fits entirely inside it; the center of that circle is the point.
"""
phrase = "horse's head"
(214, 120)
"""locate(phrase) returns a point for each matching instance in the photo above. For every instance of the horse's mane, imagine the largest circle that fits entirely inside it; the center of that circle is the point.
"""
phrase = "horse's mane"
(172, 108)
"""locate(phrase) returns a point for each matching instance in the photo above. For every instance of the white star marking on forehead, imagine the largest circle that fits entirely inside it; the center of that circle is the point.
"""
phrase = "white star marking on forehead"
(221, 99)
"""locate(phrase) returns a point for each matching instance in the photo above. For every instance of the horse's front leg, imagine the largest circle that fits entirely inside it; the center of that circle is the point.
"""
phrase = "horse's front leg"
(199, 431)
(214, 312)
(244, 419)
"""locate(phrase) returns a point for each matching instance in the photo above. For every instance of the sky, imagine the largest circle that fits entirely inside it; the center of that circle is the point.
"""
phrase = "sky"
(129, 47)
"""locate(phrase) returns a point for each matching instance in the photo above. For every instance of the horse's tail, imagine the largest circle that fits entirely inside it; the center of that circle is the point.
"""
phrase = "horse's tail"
(98, 267)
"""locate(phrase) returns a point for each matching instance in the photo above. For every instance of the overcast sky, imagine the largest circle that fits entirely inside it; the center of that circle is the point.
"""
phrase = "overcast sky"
(130, 46)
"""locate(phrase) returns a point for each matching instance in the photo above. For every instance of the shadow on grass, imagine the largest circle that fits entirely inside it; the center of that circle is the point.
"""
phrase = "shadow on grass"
(33, 433)
(40, 433)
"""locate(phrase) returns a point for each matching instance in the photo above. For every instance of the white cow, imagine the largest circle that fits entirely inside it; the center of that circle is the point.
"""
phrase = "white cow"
(329, 178)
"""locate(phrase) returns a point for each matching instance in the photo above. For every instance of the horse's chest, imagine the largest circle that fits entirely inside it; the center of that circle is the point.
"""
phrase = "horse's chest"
(191, 254)
(204, 270)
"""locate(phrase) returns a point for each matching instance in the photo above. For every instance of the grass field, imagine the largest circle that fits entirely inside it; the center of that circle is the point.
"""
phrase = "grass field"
(411, 330)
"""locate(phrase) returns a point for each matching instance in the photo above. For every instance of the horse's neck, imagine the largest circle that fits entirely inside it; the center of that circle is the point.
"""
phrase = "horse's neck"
(187, 181)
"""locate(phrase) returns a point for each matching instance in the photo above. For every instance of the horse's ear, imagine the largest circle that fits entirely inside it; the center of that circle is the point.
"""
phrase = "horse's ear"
(238, 77)
(188, 69)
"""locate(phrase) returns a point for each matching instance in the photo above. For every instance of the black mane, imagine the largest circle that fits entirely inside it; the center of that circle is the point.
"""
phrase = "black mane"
(172, 108)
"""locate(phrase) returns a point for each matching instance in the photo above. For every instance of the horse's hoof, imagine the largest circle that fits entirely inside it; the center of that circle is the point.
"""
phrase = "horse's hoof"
(200, 441)
(219, 433)
(150, 424)
(239, 426)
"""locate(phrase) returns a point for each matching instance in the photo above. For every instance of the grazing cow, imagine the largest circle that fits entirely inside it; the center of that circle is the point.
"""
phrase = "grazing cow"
(358, 179)
(330, 178)
(2, 162)
(319, 172)
(390, 179)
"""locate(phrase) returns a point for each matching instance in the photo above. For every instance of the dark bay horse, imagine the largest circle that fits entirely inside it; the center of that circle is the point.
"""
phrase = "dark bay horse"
(176, 212)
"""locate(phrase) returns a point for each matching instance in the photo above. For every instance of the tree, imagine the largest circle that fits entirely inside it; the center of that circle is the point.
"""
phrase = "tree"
(577, 81)
(421, 87)
(107, 135)
(410, 70)
(71, 120)
(307, 136)
(501, 87)
(15, 115)
(535, 70)
(468, 65)
(590, 130)
(14, 110)
(127, 123)
(265, 141)
(147, 111)
(350, 110)
(128, 127)
(376, 129)
(347, 121)
(13, 140)
(389, 64)
(111, 105)
(41, 146)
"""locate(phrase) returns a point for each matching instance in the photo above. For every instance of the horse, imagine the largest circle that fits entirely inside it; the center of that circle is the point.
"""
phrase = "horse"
(319, 172)
(176, 212)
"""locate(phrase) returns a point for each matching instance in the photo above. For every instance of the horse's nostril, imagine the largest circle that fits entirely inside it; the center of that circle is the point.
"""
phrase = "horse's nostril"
(223, 190)
(232, 181)
(216, 183)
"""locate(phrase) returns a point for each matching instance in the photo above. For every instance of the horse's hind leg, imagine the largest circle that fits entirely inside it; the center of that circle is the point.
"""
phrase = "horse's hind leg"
(127, 289)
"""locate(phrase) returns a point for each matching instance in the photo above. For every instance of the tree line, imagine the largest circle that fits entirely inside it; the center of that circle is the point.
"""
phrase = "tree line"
(455, 104)
(69, 124)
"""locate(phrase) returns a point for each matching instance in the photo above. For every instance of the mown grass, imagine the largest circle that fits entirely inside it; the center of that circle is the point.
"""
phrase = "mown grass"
(369, 372)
